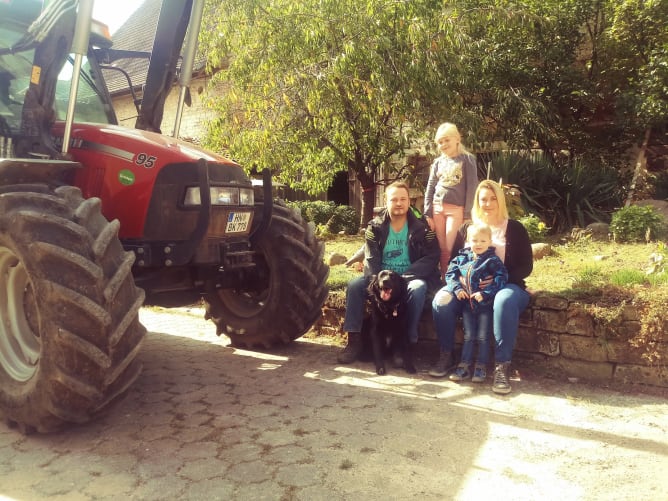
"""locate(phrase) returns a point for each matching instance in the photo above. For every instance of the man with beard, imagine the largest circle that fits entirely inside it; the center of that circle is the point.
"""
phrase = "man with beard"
(394, 240)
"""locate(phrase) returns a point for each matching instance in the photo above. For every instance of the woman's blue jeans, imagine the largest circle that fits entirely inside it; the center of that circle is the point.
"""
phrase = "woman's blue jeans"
(356, 299)
(509, 303)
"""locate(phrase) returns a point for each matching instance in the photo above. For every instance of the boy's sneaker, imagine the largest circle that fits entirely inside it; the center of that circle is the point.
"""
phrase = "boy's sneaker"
(479, 374)
(461, 373)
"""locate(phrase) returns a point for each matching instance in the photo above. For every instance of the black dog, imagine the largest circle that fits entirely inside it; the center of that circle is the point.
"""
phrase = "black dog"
(388, 293)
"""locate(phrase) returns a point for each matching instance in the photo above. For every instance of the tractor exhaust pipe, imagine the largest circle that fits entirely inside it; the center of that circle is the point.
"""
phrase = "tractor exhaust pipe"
(80, 49)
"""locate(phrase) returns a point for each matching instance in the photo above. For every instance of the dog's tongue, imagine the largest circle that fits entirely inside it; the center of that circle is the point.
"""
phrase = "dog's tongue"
(386, 294)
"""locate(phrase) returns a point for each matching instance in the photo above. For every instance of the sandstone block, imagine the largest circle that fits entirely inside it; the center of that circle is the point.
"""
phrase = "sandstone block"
(550, 320)
(583, 348)
(598, 231)
(550, 302)
(622, 352)
(588, 371)
(336, 259)
(530, 340)
(541, 250)
(654, 376)
(580, 323)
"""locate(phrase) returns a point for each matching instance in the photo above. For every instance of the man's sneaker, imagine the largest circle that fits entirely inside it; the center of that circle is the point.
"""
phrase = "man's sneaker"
(461, 373)
(479, 374)
(501, 384)
(442, 365)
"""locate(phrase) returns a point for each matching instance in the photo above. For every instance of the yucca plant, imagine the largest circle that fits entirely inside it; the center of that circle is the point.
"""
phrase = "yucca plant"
(563, 194)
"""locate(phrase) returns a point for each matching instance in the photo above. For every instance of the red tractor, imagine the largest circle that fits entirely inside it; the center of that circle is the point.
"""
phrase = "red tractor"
(93, 214)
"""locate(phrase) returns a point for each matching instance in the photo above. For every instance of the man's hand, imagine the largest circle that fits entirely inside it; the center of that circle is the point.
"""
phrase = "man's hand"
(484, 282)
(477, 296)
(357, 266)
(462, 294)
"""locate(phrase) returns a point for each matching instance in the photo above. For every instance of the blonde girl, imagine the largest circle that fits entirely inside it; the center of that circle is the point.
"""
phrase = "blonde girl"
(453, 178)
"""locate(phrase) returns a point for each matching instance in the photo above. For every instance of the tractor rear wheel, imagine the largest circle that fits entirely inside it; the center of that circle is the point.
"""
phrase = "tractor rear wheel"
(69, 331)
(293, 289)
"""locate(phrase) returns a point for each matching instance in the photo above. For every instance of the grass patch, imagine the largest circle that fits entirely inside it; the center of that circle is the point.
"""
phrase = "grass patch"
(572, 266)
(629, 278)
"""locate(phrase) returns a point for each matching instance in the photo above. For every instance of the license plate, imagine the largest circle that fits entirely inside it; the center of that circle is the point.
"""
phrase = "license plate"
(237, 222)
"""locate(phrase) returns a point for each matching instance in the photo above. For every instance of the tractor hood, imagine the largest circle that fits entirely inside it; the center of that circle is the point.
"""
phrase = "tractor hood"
(123, 167)
(128, 144)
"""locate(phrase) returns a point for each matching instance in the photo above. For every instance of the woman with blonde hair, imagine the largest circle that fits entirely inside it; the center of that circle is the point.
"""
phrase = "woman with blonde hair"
(453, 178)
(512, 245)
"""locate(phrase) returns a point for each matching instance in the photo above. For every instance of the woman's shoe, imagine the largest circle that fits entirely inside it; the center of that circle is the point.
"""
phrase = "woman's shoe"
(501, 384)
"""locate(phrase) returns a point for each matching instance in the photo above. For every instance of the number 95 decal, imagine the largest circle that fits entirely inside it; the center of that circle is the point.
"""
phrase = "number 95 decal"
(148, 161)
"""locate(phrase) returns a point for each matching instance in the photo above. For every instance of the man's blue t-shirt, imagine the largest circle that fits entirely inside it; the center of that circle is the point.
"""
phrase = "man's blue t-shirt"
(395, 252)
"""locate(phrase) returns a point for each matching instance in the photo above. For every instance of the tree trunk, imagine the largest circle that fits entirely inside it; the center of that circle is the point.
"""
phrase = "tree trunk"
(640, 163)
(368, 202)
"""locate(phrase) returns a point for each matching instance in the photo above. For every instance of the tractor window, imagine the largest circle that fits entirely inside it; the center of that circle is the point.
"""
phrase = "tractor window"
(90, 105)
(14, 80)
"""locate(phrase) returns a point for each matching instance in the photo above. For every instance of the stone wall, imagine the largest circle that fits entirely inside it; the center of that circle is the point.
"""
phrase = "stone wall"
(561, 336)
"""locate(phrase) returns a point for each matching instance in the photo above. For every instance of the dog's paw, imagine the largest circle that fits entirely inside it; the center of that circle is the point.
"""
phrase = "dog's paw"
(410, 368)
(380, 371)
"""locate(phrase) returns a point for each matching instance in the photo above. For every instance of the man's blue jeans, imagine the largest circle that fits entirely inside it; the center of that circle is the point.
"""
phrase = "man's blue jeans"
(477, 327)
(509, 303)
(356, 299)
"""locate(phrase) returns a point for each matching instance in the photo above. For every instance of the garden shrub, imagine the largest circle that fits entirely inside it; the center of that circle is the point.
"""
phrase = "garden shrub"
(328, 217)
(564, 193)
(346, 219)
(636, 224)
(536, 228)
(318, 212)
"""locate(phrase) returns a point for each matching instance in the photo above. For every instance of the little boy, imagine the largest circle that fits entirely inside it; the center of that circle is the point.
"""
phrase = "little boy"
(474, 263)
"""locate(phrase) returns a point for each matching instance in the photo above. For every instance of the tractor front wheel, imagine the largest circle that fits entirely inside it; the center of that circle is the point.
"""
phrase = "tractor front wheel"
(292, 292)
(69, 331)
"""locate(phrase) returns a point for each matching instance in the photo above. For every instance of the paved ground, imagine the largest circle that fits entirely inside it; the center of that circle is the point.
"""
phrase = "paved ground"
(206, 421)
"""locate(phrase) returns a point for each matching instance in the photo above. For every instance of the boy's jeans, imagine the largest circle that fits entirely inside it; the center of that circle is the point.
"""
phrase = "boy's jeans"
(477, 327)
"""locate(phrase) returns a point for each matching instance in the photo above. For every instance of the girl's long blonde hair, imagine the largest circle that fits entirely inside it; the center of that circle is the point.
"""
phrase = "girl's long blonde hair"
(448, 129)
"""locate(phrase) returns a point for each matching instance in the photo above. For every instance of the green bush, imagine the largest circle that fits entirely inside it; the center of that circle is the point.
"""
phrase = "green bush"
(317, 211)
(346, 219)
(636, 224)
(328, 217)
(536, 228)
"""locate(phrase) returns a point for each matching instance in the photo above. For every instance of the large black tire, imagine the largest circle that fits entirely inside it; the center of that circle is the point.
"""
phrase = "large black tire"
(291, 296)
(69, 307)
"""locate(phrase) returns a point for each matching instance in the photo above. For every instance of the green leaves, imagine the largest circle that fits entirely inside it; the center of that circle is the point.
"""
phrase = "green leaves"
(315, 87)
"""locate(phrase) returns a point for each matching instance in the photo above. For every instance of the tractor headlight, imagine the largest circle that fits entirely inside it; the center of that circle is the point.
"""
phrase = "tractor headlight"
(220, 195)
(246, 196)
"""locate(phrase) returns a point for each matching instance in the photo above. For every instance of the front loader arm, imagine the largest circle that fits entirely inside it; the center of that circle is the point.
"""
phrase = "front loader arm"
(170, 33)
